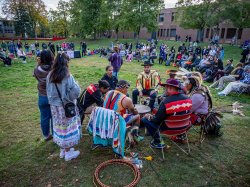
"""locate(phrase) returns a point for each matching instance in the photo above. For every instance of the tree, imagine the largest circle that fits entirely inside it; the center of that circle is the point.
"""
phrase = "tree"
(116, 19)
(59, 19)
(138, 14)
(237, 12)
(85, 16)
(63, 13)
(27, 14)
(198, 14)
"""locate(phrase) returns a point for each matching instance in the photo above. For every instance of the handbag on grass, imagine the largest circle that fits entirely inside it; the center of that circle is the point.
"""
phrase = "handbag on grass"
(69, 108)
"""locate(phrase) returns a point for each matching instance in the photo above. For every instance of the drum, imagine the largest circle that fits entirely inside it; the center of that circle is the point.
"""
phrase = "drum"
(142, 109)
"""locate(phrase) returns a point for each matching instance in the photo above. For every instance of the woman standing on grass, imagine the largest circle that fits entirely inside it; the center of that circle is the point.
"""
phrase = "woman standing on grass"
(40, 73)
(61, 87)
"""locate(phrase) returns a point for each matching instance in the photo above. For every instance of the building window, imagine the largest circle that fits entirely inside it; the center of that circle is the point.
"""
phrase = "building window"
(212, 34)
(231, 32)
(161, 17)
(164, 33)
(172, 32)
(161, 32)
(167, 32)
(222, 34)
(207, 32)
(172, 16)
(158, 34)
(239, 33)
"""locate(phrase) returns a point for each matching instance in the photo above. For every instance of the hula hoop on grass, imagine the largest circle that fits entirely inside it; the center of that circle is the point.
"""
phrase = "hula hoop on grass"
(97, 182)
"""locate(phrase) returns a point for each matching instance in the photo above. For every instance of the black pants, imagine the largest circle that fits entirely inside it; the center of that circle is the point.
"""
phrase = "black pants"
(135, 95)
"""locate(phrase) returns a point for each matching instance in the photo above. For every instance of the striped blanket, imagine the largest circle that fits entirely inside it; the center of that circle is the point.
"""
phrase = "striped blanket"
(108, 128)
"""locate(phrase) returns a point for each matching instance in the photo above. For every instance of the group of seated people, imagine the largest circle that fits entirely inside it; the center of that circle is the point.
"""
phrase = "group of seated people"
(188, 96)
(7, 57)
(212, 69)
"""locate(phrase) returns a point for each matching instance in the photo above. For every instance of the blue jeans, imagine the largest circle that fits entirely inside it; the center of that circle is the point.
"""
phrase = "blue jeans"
(115, 74)
(45, 115)
(153, 129)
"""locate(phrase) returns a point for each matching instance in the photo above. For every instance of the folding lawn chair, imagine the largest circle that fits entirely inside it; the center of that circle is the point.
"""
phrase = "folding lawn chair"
(178, 125)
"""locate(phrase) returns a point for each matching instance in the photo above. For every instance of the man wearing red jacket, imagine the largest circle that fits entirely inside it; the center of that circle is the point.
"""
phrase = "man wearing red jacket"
(176, 103)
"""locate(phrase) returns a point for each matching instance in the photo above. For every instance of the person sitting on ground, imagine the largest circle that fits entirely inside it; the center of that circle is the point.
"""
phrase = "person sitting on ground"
(118, 101)
(93, 94)
(129, 57)
(225, 71)
(88, 52)
(6, 60)
(144, 54)
(152, 56)
(110, 78)
(178, 58)
(167, 108)
(212, 71)
(147, 84)
(171, 56)
(21, 54)
(137, 54)
(206, 64)
(234, 76)
(243, 83)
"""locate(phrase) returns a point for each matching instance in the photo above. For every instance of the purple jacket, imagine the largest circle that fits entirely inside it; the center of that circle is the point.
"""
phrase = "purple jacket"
(199, 104)
(116, 61)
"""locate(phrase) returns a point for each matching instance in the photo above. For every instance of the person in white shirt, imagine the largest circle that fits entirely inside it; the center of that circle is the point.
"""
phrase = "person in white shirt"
(21, 54)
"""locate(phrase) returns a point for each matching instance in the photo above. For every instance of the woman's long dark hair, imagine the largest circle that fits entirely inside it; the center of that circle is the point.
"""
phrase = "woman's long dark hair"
(60, 68)
(46, 57)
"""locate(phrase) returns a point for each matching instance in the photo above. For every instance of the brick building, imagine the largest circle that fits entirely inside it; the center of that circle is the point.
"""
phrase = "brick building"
(7, 29)
(168, 30)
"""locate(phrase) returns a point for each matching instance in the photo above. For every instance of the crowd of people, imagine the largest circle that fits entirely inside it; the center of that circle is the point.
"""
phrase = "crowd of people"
(57, 87)
(58, 91)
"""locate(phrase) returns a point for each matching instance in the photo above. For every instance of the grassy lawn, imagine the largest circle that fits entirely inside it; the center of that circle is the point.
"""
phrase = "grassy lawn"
(26, 160)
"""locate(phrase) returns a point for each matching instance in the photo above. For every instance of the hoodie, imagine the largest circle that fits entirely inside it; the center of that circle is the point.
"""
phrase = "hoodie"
(40, 73)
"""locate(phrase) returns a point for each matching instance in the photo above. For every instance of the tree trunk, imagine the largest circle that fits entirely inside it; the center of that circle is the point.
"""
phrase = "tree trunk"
(236, 36)
(94, 34)
(138, 34)
(116, 37)
(116, 32)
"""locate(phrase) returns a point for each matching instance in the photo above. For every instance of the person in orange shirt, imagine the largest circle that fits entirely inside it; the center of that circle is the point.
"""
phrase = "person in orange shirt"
(147, 84)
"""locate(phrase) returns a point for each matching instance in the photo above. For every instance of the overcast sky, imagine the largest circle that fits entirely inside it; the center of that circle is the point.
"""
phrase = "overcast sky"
(52, 3)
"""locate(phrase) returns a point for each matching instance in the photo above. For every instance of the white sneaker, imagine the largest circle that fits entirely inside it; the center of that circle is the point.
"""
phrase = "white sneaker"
(24, 62)
(62, 152)
(71, 155)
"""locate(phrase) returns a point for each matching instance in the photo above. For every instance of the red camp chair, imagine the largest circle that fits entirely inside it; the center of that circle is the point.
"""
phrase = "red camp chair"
(29, 54)
(175, 122)
(11, 56)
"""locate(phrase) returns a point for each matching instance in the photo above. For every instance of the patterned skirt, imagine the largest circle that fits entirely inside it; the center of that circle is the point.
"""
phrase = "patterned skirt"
(66, 131)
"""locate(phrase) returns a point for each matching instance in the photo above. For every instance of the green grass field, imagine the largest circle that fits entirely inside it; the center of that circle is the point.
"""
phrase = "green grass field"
(26, 160)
